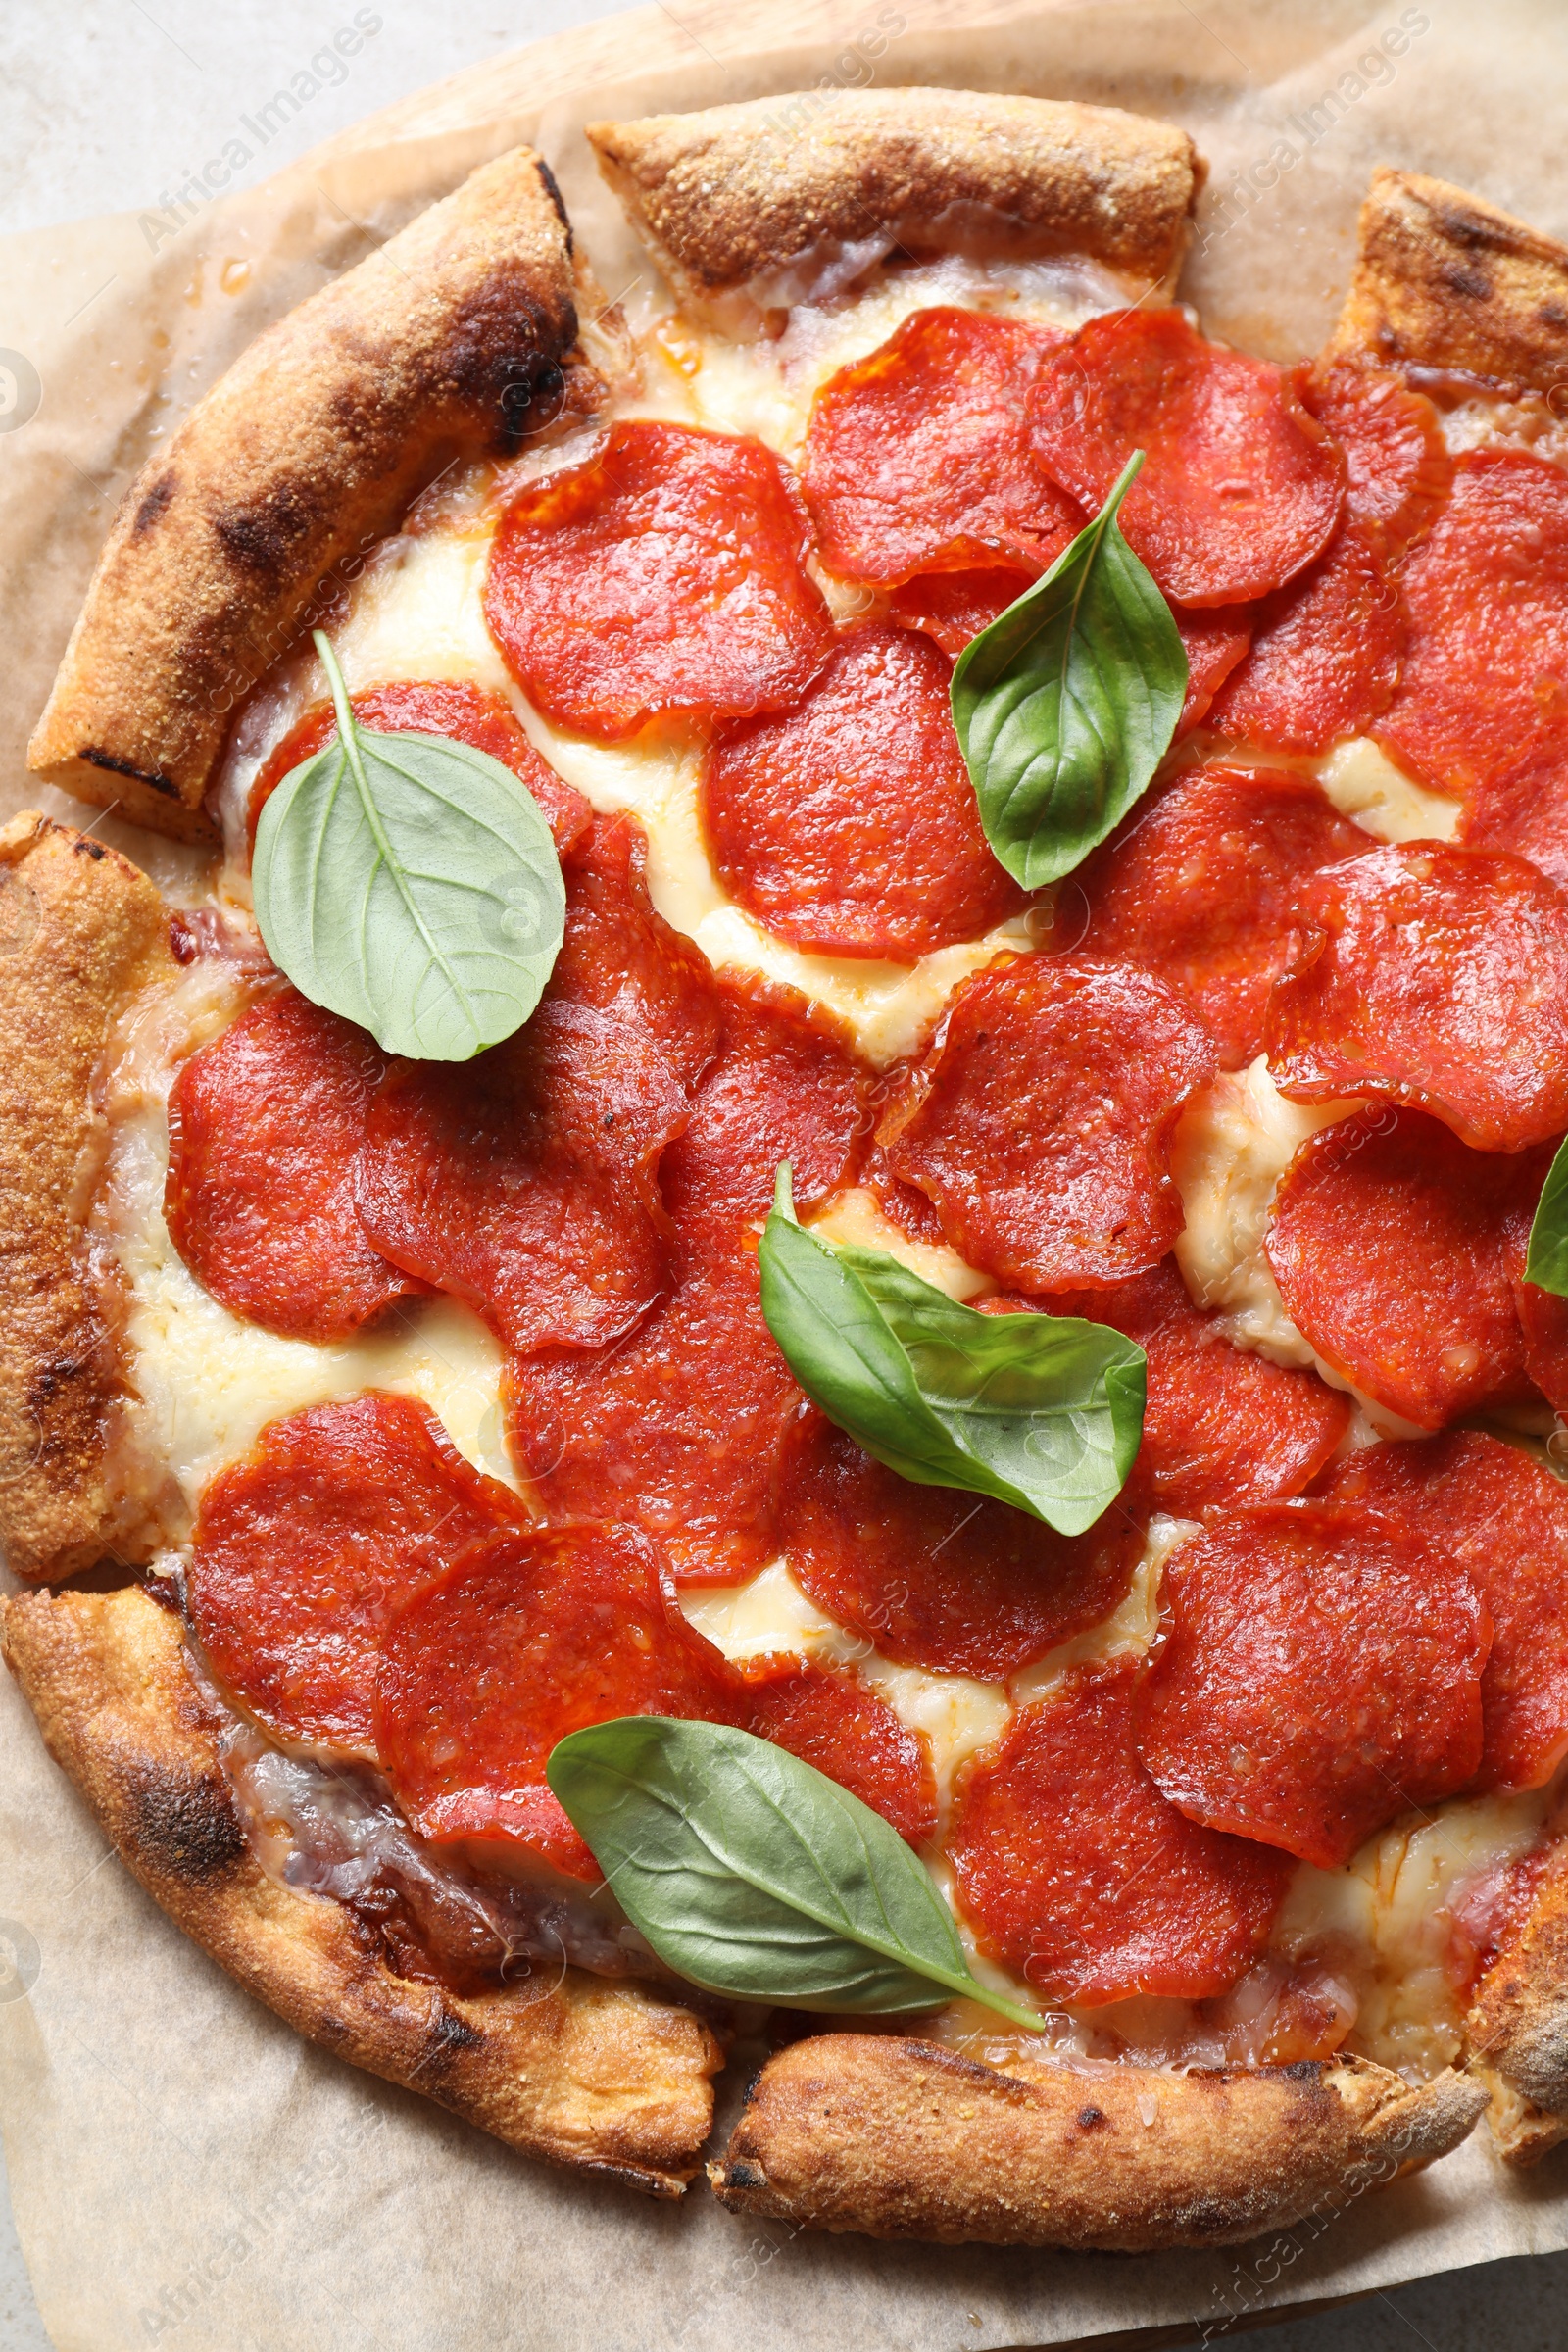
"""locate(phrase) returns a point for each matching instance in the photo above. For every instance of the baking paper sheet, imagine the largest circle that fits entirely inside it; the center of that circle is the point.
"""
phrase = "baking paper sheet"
(186, 2173)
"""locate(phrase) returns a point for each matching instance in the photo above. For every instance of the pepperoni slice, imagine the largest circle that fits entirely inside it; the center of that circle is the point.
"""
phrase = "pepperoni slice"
(1040, 1123)
(1388, 1248)
(263, 1125)
(1325, 654)
(1221, 1426)
(302, 1548)
(1321, 1675)
(953, 607)
(847, 825)
(1502, 1518)
(902, 1203)
(620, 956)
(846, 1732)
(524, 1181)
(1080, 1876)
(938, 1577)
(464, 713)
(1483, 702)
(1200, 887)
(679, 1427)
(667, 574)
(786, 1086)
(1527, 811)
(1213, 643)
(1241, 486)
(1398, 470)
(918, 458)
(1433, 976)
(1543, 1314)
(525, 1639)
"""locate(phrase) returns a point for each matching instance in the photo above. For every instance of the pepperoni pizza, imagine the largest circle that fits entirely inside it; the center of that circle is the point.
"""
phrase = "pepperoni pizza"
(415, 1415)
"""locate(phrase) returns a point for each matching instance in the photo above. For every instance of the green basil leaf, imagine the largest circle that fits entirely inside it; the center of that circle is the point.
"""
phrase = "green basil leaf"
(1547, 1258)
(410, 884)
(1067, 703)
(755, 1875)
(1041, 1411)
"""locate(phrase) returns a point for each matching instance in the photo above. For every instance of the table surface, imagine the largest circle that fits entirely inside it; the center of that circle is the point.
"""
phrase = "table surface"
(107, 106)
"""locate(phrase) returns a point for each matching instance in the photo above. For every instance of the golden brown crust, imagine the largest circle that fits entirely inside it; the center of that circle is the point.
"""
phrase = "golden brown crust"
(900, 2138)
(447, 340)
(730, 198)
(1444, 280)
(601, 2076)
(80, 931)
(1518, 2024)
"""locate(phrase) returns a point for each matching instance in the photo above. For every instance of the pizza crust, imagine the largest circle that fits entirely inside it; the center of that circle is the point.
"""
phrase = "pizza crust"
(1518, 2024)
(447, 341)
(588, 2072)
(82, 931)
(1444, 280)
(902, 2138)
(735, 197)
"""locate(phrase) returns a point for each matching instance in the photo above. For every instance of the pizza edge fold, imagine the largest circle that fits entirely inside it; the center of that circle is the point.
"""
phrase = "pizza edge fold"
(302, 455)
(900, 2138)
(737, 192)
(597, 2075)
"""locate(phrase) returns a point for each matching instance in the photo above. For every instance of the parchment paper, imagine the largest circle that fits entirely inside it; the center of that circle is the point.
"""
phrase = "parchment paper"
(185, 2171)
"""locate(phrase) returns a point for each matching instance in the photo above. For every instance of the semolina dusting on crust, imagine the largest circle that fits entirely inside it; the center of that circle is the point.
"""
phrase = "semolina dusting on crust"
(603, 2076)
(449, 340)
(81, 931)
(732, 197)
(1444, 281)
(900, 2138)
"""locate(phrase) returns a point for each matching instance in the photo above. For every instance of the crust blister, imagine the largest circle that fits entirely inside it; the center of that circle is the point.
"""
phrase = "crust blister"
(737, 194)
(902, 2138)
(598, 2075)
(442, 343)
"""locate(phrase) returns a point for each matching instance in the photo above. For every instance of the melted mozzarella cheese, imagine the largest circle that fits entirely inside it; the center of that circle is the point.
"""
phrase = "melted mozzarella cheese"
(1232, 1145)
(1360, 780)
(1392, 1908)
(1127, 1632)
(856, 1219)
(1530, 423)
(887, 1009)
(1234, 1142)
(770, 1616)
(765, 387)
(1364, 785)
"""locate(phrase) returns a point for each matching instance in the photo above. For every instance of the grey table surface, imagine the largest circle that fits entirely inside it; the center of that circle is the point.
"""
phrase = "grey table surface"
(103, 105)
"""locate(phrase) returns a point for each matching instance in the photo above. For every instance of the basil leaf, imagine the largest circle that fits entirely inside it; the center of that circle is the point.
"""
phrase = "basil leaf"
(755, 1875)
(1547, 1258)
(411, 884)
(1067, 703)
(1041, 1411)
